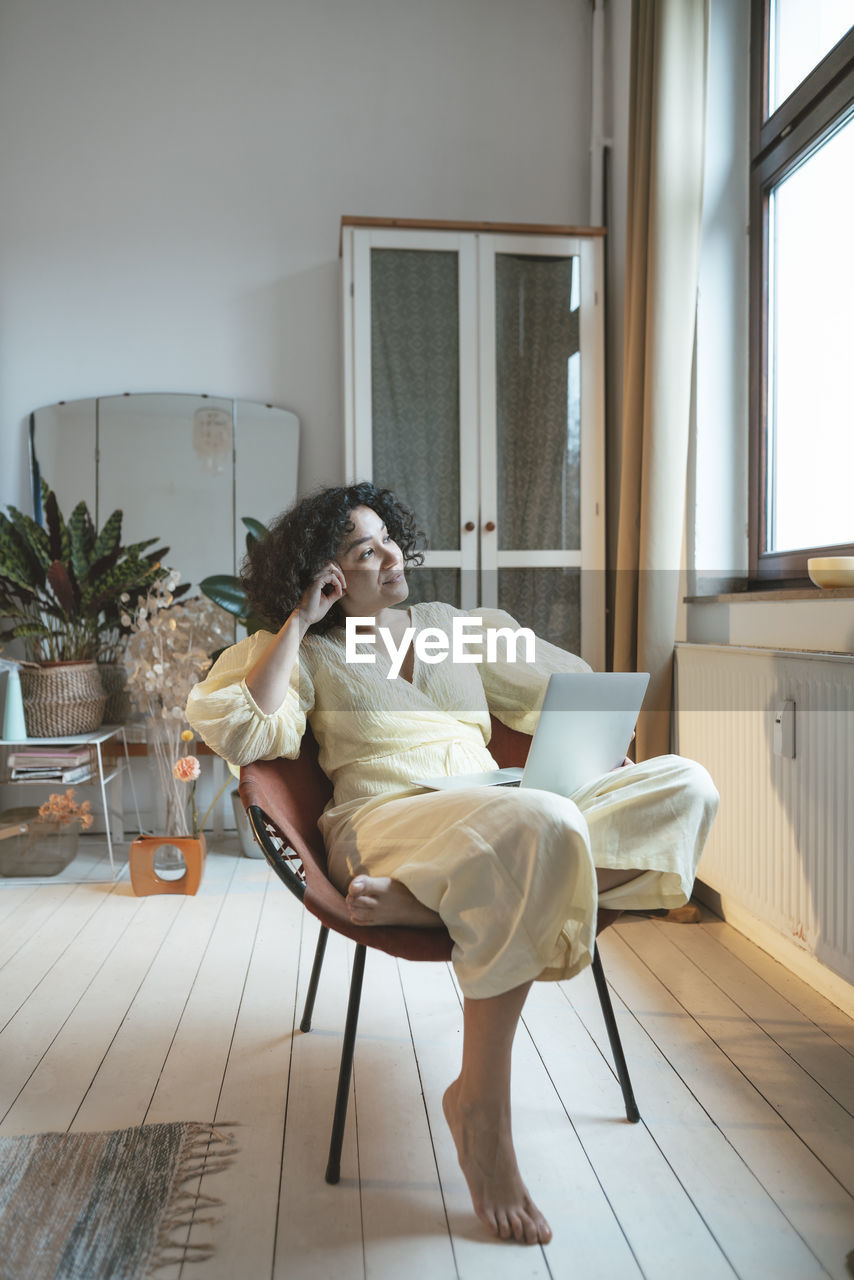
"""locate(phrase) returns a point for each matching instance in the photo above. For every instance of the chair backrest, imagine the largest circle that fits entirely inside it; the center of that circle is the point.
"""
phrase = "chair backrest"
(508, 746)
(294, 793)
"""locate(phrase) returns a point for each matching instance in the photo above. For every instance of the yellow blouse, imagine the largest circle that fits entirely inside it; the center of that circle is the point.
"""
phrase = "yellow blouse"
(377, 734)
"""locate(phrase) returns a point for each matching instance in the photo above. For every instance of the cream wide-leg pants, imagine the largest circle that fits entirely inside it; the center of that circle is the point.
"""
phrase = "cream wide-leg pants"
(511, 871)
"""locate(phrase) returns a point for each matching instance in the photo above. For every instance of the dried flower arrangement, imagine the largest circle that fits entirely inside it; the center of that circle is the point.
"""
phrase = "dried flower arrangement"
(64, 809)
(167, 653)
(187, 769)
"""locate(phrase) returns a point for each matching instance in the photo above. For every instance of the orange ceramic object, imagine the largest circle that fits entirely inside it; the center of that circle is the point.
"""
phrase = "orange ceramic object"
(145, 880)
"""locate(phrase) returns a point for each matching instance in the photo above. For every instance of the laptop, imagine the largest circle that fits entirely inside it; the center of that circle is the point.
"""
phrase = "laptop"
(584, 731)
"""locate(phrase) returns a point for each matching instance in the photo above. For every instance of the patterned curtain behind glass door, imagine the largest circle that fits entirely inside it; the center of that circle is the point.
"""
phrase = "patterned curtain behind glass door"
(538, 410)
(415, 386)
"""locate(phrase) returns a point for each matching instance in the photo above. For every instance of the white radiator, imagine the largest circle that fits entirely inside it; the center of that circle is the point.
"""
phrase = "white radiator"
(782, 847)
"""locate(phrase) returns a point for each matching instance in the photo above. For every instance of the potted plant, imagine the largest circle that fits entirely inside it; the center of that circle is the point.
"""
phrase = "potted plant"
(227, 591)
(60, 591)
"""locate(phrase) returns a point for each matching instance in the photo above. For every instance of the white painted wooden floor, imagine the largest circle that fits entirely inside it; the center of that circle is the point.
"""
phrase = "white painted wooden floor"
(118, 1011)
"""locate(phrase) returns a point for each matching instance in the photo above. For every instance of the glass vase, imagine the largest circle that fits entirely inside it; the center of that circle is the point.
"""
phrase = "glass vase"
(169, 796)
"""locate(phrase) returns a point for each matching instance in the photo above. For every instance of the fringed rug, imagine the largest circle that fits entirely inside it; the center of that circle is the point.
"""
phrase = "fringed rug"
(104, 1206)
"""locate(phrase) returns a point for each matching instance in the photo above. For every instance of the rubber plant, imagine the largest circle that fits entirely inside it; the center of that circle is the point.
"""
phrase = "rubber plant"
(227, 590)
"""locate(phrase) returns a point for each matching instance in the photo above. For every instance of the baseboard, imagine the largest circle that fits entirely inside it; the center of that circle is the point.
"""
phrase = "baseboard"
(792, 957)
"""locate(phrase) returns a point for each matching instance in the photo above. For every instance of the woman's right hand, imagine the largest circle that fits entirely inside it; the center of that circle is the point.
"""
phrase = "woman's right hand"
(325, 589)
(269, 678)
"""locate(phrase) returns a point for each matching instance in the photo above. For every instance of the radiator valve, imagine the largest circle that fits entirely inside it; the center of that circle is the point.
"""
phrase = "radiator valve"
(784, 730)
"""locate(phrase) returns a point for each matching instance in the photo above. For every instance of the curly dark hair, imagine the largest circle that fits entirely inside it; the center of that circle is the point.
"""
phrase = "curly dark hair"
(277, 569)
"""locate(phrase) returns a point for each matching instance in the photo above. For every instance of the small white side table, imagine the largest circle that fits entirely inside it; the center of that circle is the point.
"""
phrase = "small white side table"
(104, 773)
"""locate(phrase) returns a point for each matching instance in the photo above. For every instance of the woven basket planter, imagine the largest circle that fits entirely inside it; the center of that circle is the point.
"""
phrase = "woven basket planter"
(114, 678)
(62, 699)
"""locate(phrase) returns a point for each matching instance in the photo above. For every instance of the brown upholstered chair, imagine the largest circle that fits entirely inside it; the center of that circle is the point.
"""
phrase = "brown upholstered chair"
(284, 799)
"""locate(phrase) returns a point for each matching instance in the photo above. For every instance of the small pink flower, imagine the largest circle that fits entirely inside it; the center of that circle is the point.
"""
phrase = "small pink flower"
(187, 769)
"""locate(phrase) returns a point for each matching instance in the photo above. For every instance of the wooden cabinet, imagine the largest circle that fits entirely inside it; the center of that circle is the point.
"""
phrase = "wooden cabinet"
(474, 388)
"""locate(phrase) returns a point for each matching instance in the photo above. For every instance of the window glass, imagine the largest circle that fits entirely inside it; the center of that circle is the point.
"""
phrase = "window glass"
(800, 34)
(810, 414)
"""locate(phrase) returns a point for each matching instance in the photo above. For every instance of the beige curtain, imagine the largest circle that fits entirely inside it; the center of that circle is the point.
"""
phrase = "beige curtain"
(665, 186)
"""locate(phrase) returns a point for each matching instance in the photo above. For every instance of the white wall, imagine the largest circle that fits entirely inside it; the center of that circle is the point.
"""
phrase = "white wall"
(174, 176)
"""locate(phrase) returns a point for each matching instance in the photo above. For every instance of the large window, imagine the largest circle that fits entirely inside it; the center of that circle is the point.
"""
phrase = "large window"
(802, 284)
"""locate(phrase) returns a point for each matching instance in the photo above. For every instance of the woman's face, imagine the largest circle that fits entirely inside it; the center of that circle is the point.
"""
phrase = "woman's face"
(372, 566)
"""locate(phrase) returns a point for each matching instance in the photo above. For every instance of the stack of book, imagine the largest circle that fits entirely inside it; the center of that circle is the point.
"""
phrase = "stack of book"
(50, 764)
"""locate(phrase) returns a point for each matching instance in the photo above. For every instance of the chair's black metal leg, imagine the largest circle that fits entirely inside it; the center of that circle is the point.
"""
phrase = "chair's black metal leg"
(632, 1113)
(319, 952)
(333, 1168)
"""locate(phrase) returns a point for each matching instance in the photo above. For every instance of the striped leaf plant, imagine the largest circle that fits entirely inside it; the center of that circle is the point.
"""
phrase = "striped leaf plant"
(61, 583)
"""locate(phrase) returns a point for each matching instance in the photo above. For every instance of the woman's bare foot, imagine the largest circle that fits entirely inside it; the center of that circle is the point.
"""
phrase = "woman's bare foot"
(485, 1151)
(380, 900)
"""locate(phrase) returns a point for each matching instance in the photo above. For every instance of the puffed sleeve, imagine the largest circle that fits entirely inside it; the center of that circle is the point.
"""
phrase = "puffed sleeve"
(224, 714)
(515, 689)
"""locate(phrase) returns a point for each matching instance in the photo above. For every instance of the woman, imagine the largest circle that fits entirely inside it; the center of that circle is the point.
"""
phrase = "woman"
(515, 875)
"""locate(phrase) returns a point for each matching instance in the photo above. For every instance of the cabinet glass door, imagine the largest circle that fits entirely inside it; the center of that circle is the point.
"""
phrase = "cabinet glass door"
(474, 390)
(418, 303)
(535, 432)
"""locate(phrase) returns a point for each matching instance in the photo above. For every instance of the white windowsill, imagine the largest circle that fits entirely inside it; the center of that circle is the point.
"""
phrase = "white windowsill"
(805, 618)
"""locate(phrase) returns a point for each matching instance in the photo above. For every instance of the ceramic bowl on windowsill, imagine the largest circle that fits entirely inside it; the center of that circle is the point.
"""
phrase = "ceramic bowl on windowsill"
(831, 571)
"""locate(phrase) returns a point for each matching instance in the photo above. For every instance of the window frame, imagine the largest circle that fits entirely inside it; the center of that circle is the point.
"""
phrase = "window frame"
(778, 145)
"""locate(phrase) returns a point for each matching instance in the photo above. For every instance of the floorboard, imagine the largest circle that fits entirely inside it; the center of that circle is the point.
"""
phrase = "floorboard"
(819, 1210)
(749, 1228)
(814, 1006)
(35, 940)
(121, 1091)
(29, 1034)
(403, 1215)
(13, 898)
(252, 1100)
(190, 1082)
(55, 1091)
(658, 1219)
(824, 1126)
(319, 1226)
(118, 1011)
(435, 1016)
(22, 911)
(826, 1061)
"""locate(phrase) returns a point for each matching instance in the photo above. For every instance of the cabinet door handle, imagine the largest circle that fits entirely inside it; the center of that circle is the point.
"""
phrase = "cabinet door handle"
(469, 526)
(489, 527)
